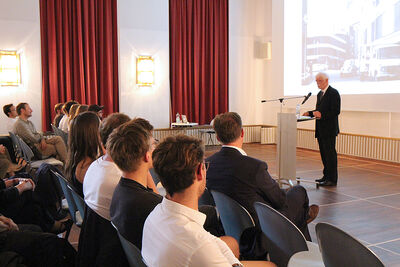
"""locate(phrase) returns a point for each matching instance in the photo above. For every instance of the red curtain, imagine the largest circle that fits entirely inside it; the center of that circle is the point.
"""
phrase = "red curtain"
(79, 46)
(198, 36)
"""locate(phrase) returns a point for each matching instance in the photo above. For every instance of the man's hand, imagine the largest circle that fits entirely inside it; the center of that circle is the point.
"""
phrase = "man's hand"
(9, 223)
(306, 113)
(43, 144)
(25, 185)
(10, 182)
(2, 149)
(317, 114)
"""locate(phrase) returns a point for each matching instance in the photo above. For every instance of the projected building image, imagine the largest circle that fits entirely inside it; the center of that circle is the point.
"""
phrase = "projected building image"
(358, 40)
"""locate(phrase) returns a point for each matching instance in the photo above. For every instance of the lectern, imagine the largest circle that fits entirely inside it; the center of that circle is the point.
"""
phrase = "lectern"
(286, 147)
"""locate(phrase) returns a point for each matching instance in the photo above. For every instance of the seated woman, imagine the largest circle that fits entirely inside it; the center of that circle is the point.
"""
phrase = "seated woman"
(6, 165)
(84, 147)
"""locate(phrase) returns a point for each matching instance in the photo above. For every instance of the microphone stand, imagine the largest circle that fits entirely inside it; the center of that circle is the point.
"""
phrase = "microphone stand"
(281, 100)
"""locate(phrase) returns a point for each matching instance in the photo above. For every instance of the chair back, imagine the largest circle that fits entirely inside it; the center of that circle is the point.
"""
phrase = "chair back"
(235, 218)
(341, 249)
(61, 133)
(21, 147)
(79, 202)
(132, 252)
(206, 198)
(68, 195)
(283, 237)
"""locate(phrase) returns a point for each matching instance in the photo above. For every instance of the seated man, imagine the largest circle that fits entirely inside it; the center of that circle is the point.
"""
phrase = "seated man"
(130, 147)
(173, 233)
(46, 147)
(97, 109)
(37, 248)
(59, 114)
(11, 114)
(246, 180)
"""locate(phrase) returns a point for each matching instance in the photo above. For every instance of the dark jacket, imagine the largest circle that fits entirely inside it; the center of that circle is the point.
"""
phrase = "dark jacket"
(329, 106)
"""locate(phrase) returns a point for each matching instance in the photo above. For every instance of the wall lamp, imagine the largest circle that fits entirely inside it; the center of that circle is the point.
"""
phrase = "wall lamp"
(145, 71)
(10, 68)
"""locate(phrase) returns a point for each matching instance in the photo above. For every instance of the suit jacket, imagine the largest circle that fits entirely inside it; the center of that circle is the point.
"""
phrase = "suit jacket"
(244, 179)
(329, 106)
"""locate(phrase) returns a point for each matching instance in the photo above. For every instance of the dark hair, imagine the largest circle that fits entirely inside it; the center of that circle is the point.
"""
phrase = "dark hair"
(144, 123)
(176, 159)
(110, 123)
(228, 127)
(58, 107)
(95, 108)
(21, 106)
(127, 145)
(7, 109)
(67, 106)
(83, 141)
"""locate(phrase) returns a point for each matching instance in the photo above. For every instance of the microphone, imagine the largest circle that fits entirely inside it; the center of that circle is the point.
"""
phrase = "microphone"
(306, 98)
(263, 101)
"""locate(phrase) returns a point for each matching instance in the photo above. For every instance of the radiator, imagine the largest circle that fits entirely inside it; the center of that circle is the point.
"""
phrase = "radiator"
(371, 147)
(252, 134)
(268, 135)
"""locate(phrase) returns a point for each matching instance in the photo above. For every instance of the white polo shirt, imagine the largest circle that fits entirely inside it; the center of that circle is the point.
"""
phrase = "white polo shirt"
(173, 236)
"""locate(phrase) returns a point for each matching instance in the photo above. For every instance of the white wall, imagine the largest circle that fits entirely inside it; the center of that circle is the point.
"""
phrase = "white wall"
(249, 75)
(143, 30)
(20, 30)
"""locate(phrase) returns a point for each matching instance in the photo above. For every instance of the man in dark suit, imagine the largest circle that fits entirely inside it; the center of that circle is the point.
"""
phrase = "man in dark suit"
(246, 180)
(327, 128)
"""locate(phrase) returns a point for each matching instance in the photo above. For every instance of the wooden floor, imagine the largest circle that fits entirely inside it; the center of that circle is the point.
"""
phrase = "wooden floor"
(365, 203)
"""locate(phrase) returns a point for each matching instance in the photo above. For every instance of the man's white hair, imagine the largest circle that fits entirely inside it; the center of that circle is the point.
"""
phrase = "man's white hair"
(322, 75)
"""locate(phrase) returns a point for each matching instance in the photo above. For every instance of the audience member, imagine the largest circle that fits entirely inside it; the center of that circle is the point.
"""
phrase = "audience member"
(246, 180)
(103, 174)
(72, 114)
(97, 109)
(64, 121)
(6, 165)
(17, 202)
(59, 114)
(130, 146)
(84, 147)
(173, 233)
(36, 248)
(41, 146)
(11, 114)
(82, 108)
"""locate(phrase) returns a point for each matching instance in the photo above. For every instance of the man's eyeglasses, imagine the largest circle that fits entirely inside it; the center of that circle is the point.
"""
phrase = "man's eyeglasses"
(206, 165)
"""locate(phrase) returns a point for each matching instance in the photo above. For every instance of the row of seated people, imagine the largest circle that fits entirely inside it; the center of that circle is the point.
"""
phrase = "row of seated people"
(117, 186)
(30, 205)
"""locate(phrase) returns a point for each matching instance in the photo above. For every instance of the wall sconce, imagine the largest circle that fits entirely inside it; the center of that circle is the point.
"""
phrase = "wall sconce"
(144, 71)
(269, 50)
(10, 68)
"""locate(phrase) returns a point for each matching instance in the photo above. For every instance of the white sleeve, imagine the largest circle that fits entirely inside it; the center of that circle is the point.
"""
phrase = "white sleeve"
(213, 253)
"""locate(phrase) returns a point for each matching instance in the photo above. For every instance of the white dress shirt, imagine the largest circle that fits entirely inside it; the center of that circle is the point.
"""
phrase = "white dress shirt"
(10, 124)
(238, 149)
(99, 184)
(63, 125)
(173, 236)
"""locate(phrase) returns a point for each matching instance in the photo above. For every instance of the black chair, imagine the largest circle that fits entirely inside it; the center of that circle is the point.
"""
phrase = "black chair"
(284, 239)
(132, 252)
(206, 198)
(235, 218)
(26, 152)
(72, 207)
(60, 133)
(341, 249)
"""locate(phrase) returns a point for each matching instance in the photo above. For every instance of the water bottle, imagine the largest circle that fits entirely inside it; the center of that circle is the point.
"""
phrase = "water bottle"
(178, 118)
(298, 111)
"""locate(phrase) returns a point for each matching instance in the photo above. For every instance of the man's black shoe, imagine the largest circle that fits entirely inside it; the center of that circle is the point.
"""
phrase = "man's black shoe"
(327, 183)
(321, 180)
